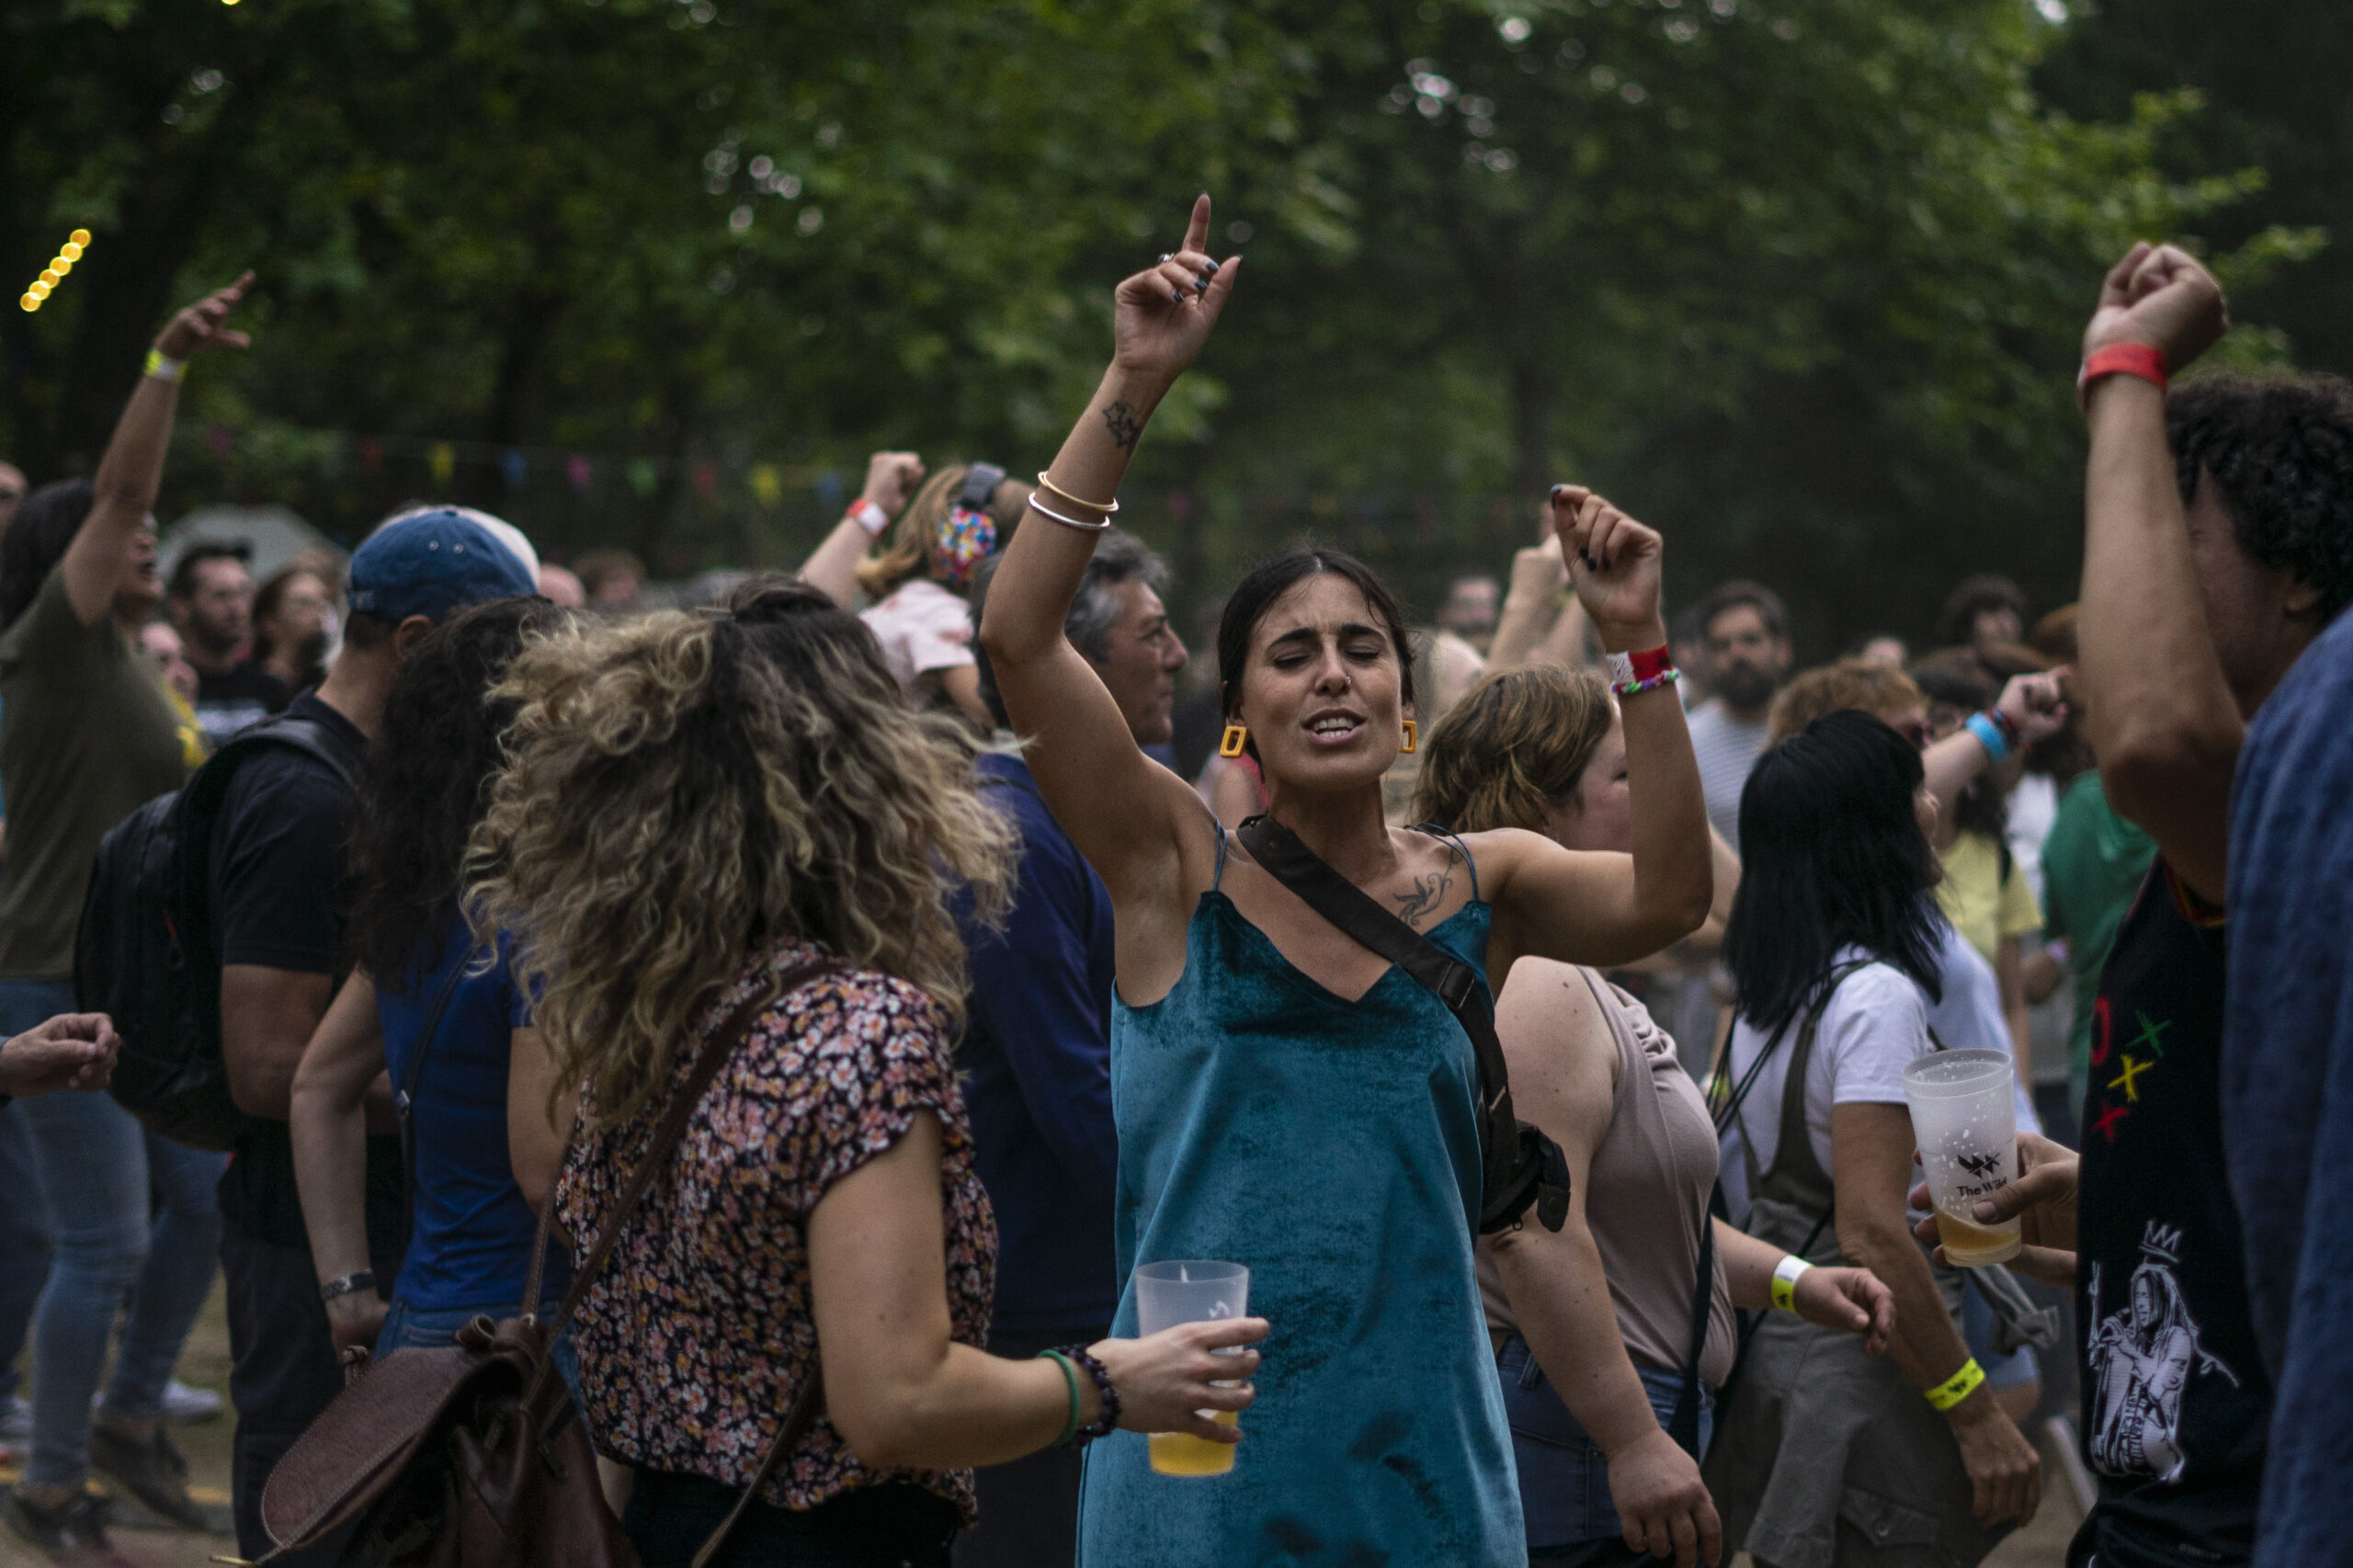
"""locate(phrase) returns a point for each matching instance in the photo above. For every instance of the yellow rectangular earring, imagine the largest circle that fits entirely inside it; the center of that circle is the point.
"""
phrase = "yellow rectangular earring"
(1229, 743)
(1413, 737)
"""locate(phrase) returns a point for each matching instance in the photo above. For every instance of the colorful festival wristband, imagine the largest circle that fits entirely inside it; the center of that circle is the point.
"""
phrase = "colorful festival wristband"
(1633, 674)
(1957, 1387)
(1989, 735)
(162, 368)
(868, 515)
(2121, 360)
(1785, 1275)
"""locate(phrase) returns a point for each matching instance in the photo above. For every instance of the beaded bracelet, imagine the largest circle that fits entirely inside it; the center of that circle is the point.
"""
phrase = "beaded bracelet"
(1667, 676)
(1102, 1425)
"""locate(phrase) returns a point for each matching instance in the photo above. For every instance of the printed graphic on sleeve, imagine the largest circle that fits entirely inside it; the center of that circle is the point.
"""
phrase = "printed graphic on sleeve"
(2142, 1357)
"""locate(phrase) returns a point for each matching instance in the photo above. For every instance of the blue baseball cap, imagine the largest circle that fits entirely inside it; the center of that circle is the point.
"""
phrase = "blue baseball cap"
(429, 564)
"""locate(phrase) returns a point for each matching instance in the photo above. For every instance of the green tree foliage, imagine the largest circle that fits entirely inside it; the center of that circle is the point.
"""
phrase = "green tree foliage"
(1799, 279)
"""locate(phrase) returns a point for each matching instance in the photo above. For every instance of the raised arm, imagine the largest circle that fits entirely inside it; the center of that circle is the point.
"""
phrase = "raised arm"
(2161, 717)
(1605, 908)
(2035, 705)
(1126, 813)
(890, 479)
(132, 469)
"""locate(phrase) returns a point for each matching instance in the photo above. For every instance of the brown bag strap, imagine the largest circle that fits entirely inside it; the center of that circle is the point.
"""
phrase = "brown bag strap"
(797, 1422)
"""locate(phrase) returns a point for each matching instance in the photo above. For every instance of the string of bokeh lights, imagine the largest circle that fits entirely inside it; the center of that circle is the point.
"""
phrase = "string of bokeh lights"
(54, 273)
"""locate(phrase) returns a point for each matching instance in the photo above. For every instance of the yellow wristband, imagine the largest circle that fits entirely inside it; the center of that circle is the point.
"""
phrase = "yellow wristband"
(1785, 1275)
(1957, 1387)
(161, 368)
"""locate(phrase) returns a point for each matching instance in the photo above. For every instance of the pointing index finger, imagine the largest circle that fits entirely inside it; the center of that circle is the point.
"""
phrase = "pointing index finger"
(1196, 232)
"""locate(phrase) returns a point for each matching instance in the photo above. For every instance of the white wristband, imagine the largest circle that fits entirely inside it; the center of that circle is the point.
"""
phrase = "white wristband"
(870, 518)
(164, 367)
(1621, 668)
(1785, 1275)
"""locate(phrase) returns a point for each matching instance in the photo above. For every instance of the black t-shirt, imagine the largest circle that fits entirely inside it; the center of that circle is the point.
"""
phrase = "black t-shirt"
(277, 899)
(245, 696)
(2176, 1400)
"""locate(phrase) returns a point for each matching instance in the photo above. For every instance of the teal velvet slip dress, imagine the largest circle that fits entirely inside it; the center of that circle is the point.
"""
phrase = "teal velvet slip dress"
(1333, 1147)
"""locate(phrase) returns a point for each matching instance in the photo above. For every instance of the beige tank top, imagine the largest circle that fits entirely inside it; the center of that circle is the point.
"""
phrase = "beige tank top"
(1645, 1192)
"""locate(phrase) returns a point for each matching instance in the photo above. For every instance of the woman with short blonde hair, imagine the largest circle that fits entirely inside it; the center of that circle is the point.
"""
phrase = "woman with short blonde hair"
(728, 825)
(1608, 1350)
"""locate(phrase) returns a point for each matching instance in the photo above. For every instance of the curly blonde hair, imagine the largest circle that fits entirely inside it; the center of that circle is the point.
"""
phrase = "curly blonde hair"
(1510, 747)
(682, 788)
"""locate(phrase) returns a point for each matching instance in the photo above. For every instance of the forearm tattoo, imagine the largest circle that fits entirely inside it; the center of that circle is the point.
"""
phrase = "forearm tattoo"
(1428, 894)
(1125, 428)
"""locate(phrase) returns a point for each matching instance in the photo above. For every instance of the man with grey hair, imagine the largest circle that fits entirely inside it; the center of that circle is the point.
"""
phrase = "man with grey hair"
(1037, 1054)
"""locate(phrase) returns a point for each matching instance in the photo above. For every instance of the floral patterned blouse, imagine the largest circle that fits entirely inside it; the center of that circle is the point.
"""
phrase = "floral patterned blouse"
(697, 1335)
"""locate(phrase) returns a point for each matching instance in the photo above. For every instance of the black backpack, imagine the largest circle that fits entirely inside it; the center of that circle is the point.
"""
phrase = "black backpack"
(144, 953)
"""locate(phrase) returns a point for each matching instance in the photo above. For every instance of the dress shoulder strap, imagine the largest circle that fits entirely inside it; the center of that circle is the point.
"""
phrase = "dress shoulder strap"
(1216, 879)
(1455, 839)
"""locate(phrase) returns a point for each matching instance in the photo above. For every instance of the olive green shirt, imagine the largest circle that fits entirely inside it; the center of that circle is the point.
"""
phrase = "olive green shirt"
(88, 735)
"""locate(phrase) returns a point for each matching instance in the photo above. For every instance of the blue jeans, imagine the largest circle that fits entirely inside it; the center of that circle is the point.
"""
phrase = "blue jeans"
(101, 1172)
(24, 1242)
(1564, 1480)
(411, 1328)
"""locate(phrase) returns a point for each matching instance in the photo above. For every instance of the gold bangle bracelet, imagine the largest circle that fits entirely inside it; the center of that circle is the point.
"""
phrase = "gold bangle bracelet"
(1051, 488)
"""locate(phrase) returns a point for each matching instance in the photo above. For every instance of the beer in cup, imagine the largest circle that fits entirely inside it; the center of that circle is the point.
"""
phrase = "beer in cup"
(1966, 1127)
(1190, 1291)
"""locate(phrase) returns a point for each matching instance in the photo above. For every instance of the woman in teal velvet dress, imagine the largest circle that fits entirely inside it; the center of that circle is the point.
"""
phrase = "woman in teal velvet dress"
(1284, 1098)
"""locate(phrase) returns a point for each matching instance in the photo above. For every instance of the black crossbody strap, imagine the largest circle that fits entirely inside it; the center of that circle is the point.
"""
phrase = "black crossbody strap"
(1521, 1167)
(1684, 1425)
(405, 1100)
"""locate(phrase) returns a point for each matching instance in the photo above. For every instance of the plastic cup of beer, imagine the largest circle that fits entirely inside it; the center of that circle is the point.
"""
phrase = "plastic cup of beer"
(1190, 1291)
(1966, 1125)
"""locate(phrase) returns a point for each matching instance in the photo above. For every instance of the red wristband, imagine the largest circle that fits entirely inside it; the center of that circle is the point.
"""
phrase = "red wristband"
(1651, 662)
(2121, 360)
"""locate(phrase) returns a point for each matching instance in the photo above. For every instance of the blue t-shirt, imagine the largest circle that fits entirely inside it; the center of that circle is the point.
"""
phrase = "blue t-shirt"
(471, 1242)
(2288, 1088)
(1036, 1061)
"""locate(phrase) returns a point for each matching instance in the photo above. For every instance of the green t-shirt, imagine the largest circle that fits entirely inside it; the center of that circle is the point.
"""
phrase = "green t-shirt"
(88, 735)
(2092, 864)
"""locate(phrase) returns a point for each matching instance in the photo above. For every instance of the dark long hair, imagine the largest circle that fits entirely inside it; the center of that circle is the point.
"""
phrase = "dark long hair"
(38, 536)
(426, 784)
(1275, 577)
(1832, 856)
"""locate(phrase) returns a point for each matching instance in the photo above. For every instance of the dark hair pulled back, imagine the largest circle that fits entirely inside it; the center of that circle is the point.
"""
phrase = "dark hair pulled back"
(1269, 580)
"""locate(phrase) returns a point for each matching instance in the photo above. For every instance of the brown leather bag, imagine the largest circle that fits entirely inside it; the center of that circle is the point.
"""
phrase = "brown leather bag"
(474, 1455)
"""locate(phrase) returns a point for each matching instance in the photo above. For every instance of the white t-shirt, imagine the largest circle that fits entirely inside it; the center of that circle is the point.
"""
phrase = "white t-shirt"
(1874, 1023)
(922, 626)
(1727, 749)
(1969, 1017)
(2034, 807)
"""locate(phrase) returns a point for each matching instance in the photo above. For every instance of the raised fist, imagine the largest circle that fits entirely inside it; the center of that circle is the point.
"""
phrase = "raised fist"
(2159, 297)
(890, 479)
